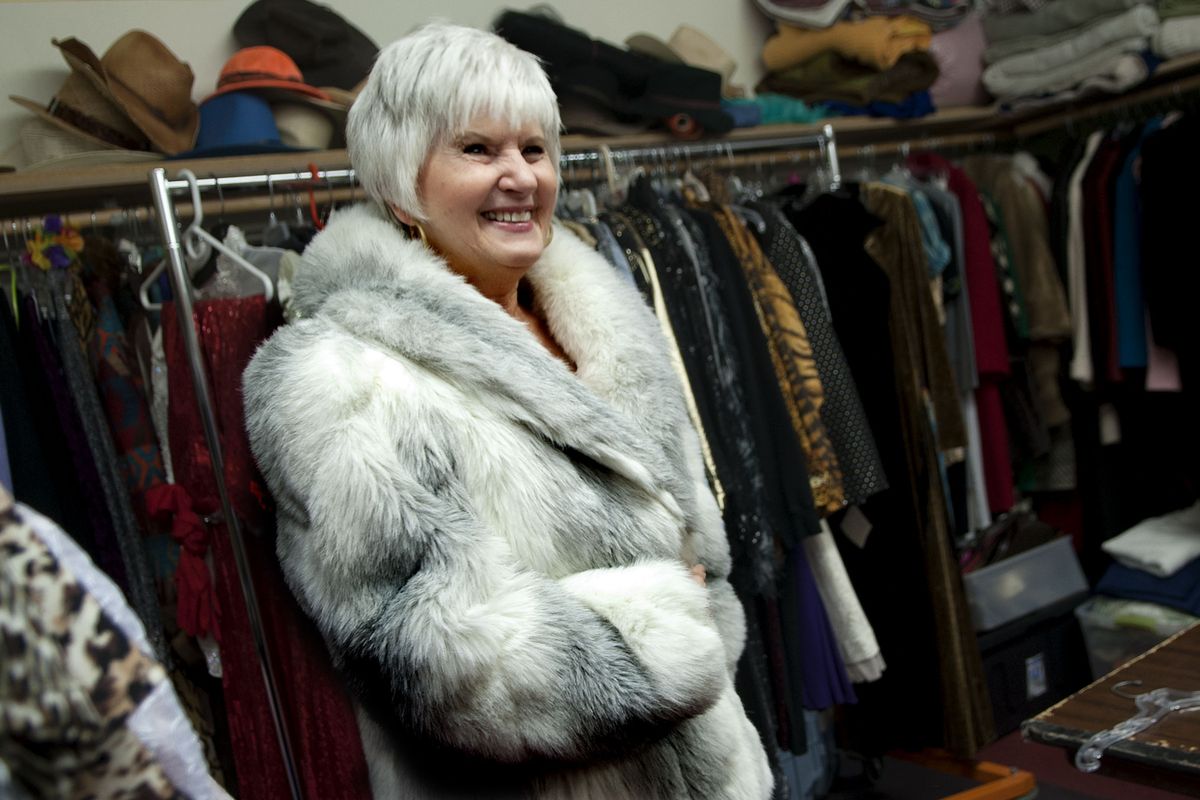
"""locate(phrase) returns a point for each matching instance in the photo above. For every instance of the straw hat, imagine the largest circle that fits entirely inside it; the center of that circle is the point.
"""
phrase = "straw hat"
(44, 144)
(145, 80)
(80, 109)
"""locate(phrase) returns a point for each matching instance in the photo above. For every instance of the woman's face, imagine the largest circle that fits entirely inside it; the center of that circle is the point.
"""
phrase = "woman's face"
(489, 198)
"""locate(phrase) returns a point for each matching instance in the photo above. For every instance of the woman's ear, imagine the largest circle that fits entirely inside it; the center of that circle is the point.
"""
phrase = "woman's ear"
(401, 215)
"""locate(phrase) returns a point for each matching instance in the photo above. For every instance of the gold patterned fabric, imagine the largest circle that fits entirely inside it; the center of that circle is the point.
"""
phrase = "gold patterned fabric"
(922, 377)
(792, 358)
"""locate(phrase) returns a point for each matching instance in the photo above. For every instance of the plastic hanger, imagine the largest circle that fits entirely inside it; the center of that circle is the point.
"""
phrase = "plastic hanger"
(1152, 707)
(195, 239)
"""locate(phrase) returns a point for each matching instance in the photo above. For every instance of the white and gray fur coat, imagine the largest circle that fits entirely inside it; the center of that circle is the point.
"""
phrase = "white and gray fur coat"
(494, 547)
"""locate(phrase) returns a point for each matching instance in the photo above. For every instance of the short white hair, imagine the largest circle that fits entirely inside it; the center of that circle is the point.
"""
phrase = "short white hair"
(424, 91)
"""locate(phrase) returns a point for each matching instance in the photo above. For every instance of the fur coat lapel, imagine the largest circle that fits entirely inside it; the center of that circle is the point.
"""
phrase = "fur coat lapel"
(433, 317)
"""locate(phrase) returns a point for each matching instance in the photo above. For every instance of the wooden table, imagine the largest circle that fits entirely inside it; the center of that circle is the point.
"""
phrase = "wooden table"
(1167, 755)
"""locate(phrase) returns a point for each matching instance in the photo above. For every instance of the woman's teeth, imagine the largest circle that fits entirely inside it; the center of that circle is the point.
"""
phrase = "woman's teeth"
(508, 216)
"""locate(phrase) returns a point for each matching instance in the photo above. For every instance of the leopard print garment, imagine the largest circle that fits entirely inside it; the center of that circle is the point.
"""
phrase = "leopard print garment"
(69, 678)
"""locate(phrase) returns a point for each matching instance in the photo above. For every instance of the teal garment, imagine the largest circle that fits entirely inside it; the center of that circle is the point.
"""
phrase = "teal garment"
(1128, 294)
(779, 109)
(937, 250)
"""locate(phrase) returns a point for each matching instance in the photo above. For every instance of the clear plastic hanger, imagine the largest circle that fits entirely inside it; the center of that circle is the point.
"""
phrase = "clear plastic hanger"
(277, 231)
(196, 242)
(1152, 707)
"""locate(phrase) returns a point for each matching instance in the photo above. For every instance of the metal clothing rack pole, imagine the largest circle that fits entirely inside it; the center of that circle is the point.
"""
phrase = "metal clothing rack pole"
(160, 190)
(824, 139)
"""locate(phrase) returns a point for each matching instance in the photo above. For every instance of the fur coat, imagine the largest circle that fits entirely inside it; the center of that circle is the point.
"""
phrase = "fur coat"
(494, 547)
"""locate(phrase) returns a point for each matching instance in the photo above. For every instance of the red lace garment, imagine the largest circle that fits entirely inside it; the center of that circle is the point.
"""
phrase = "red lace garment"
(320, 718)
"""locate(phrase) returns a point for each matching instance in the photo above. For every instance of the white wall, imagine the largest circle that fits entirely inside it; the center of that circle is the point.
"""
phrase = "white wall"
(200, 32)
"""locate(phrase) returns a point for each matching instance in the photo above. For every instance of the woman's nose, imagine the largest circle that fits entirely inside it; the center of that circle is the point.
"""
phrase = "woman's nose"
(517, 174)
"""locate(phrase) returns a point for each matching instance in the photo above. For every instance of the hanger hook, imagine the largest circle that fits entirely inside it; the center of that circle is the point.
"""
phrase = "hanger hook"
(271, 195)
(220, 195)
(1119, 685)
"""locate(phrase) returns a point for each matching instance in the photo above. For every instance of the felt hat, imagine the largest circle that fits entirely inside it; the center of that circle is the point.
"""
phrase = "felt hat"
(688, 45)
(303, 126)
(328, 49)
(268, 70)
(237, 124)
(80, 109)
(143, 78)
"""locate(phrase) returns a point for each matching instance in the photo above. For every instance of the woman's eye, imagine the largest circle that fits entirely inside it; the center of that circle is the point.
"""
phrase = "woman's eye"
(474, 149)
(534, 150)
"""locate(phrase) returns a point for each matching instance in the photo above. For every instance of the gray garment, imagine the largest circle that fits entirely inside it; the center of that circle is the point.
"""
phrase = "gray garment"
(141, 593)
(843, 415)
(960, 342)
(1056, 17)
(608, 246)
(999, 51)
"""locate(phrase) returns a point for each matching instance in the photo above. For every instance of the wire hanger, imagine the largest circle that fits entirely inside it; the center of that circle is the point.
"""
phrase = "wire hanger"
(194, 240)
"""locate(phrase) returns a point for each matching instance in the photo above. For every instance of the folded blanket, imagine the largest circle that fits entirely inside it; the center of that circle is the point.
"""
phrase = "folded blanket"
(1139, 21)
(1181, 590)
(830, 76)
(1106, 61)
(1178, 8)
(1159, 545)
(1056, 17)
(1177, 36)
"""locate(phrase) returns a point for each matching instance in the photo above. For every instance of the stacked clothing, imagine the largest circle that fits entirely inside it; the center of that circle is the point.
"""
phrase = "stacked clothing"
(879, 65)
(937, 14)
(1068, 49)
(1180, 31)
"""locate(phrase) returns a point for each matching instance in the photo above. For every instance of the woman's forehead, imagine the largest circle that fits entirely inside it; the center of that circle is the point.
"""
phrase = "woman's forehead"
(498, 127)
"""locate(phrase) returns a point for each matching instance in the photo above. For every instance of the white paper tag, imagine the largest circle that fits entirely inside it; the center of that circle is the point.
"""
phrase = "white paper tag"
(1035, 676)
(856, 527)
(1110, 425)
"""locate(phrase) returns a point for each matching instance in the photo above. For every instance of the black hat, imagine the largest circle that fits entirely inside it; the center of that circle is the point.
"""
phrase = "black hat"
(627, 84)
(328, 50)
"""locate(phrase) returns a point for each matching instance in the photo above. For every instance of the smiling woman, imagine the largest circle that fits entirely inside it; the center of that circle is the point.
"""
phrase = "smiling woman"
(490, 498)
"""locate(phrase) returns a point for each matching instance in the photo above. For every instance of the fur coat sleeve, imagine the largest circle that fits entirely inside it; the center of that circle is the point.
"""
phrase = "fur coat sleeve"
(491, 545)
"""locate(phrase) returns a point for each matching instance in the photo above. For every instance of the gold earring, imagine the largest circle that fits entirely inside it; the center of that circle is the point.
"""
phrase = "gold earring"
(549, 235)
(421, 234)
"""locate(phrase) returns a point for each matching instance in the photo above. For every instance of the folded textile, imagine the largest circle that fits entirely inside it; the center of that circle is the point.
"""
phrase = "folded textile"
(1139, 21)
(998, 51)
(917, 104)
(939, 16)
(801, 12)
(959, 56)
(875, 41)
(1160, 545)
(1168, 9)
(776, 109)
(1181, 590)
(829, 77)
(1124, 72)
(1103, 67)
(1177, 36)
(1056, 17)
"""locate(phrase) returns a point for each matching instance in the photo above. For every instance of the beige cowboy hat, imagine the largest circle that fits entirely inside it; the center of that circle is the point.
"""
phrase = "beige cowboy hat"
(145, 80)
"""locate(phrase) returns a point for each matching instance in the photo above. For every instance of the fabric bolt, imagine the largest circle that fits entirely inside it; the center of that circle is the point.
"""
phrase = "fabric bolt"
(1063, 77)
(1127, 257)
(855, 637)
(321, 722)
(1159, 545)
(792, 357)
(921, 368)
(1056, 17)
(958, 52)
(875, 41)
(71, 680)
(849, 431)
(829, 76)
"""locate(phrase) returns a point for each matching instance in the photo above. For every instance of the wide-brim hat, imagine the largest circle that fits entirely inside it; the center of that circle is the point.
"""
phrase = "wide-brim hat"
(43, 144)
(678, 90)
(146, 81)
(688, 45)
(267, 70)
(237, 124)
(80, 109)
(327, 49)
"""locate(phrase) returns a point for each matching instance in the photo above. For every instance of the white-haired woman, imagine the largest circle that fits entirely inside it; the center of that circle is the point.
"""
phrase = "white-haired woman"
(490, 497)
